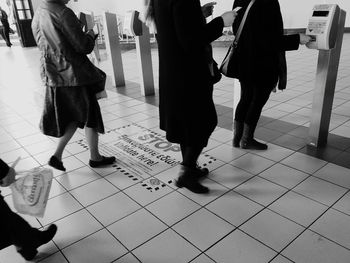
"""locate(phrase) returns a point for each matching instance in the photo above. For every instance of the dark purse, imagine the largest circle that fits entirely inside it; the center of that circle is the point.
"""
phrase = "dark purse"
(228, 61)
(214, 72)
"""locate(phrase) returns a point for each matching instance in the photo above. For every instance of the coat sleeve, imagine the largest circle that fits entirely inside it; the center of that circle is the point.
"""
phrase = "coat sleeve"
(271, 36)
(190, 26)
(4, 169)
(71, 28)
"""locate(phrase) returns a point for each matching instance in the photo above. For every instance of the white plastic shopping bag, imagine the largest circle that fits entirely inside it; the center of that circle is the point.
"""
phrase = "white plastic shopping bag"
(31, 191)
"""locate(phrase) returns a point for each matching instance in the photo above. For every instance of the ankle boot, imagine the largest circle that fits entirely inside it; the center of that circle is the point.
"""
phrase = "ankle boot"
(238, 127)
(248, 141)
(188, 178)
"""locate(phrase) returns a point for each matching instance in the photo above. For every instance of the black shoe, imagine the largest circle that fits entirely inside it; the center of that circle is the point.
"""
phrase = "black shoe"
(44, 237)
(104, 161)
(188, 178)
(253, 144)
(202, 172)
(57, 164)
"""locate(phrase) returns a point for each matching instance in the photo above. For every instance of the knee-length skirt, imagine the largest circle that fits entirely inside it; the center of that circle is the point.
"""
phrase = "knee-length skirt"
(66, 105)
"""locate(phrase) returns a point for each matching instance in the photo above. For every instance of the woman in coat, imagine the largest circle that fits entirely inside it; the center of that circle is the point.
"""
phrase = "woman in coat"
(14, 229)
(259, 64)
(71, 80)
(5, 27)
(186, 109)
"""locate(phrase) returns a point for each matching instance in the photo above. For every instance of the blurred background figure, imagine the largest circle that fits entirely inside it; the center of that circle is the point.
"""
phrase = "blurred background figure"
(5, 27)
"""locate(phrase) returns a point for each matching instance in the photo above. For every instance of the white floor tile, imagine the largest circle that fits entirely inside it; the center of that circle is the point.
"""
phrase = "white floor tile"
(304, 163)
(241, 248)
(320, 190)
(94, 192)
(203, 259)
(272, 229)
(334, 225)
(312, 248)
(226, 153)
(171, 248)
(137, 228)
(252, 163)
(274, 152)
(100, 247)
(335, 174)
(113, 208)
(172, 208)
(234, 208)
(71, 229)
(280, 259)
(203, 229)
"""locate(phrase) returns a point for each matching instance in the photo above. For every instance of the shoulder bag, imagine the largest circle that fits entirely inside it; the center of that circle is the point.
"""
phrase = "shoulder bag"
(227, 62)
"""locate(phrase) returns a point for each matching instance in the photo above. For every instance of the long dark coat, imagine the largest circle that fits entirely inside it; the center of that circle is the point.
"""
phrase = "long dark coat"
(187, 111)
(260, 55)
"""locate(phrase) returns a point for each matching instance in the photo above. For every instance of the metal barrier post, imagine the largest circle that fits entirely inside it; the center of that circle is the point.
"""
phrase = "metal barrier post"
(113, 48)
(326, 78)
(144, 59)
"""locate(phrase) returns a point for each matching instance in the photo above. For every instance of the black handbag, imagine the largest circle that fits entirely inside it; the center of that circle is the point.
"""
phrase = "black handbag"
(214, 72)
(228, 61)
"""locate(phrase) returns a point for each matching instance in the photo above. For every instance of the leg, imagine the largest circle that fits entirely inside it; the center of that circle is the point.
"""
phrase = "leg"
(16, 231)
(7, 34)
(96, 159)
(241, 111)
(259, 99)
(56, 160)
(190, 174)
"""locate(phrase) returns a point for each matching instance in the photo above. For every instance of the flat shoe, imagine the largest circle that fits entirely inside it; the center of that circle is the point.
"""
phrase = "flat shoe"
(105, 161)
(57, 164)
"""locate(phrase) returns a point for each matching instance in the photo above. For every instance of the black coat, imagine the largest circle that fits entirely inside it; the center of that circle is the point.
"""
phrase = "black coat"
(261, 48)
(187, 111)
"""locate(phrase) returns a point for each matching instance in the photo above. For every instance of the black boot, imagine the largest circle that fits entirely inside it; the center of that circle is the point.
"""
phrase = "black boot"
(189, 178)
(238, 126)
(42, 238)
(248, 141)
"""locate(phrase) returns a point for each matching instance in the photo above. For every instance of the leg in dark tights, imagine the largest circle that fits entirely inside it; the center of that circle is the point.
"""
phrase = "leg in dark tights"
(189, 173)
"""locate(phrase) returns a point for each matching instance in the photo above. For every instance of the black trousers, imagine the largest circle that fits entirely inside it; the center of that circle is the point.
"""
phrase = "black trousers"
(14, 229)
(253, 98)
(5, 32)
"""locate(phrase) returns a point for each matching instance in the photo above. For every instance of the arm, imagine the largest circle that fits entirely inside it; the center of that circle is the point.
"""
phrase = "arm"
(192, 31)
(71, 27)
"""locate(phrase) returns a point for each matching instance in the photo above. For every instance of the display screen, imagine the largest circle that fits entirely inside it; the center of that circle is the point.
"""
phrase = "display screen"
(320, 13)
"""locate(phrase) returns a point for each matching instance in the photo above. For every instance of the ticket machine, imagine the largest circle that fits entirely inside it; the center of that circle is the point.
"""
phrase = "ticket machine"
(326, 27)
(323, 26)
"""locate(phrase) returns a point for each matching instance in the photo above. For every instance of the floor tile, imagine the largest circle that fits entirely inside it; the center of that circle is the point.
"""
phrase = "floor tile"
(284, 175)
(100, 247)
(313, 248)
(71, 229)
(320, 190)
(304, 163)
(343, 204)
(241, 248)
(335, 174)
(172, 208)
(229, 176)
(94, 192)
(128, 258)
(261, 190)
(226, 153)
(137, 228)
(203, 259)
(171, 248)
(55, 258)
(252, 163)
(203, 229)
(234, 208)
(274, 152)
(272, 229)
(280, 259)
(113, 208)
(298, 208)
(59, 207)
(334, 225)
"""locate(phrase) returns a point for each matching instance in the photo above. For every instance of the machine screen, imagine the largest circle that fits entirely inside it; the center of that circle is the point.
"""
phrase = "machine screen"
(320, 13)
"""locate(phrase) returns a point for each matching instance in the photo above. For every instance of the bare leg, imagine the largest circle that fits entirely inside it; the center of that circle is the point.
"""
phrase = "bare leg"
(70, 130)
(92, 139)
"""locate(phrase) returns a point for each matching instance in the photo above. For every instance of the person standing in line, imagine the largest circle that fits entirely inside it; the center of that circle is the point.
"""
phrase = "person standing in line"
(5, 27)
(14, 229)
(71, 80)
(259, 63)
(186, 108)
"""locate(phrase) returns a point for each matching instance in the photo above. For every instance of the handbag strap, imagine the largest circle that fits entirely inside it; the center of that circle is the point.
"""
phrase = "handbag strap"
(239, 31)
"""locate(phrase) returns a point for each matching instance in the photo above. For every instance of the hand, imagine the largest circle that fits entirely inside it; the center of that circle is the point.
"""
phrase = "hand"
(91, 33)
(229, 18)
(304, 39)
(207, 9)
(9, 178)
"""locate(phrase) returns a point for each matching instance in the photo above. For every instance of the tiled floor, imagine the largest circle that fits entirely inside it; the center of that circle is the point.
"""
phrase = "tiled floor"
(287, 204)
